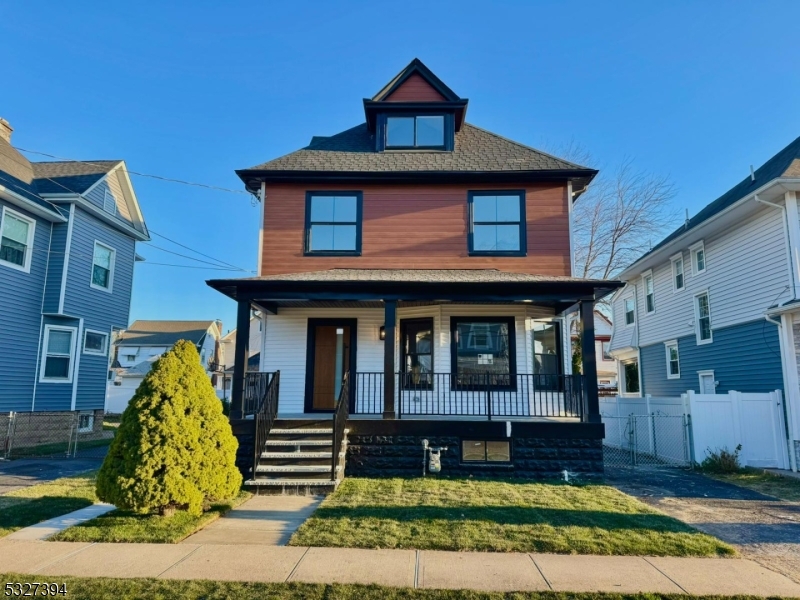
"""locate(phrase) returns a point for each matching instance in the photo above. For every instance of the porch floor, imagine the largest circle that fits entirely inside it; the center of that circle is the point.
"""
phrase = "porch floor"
(329, 416)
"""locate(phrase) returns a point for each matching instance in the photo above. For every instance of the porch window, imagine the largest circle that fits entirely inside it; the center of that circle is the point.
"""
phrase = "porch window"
(421, 131)
(333, 223)
(16, 239)
(485, 451)
(102, 267)
(417, 346)
(483, 351)
(630, 371)
(59, 348)
(497, 223)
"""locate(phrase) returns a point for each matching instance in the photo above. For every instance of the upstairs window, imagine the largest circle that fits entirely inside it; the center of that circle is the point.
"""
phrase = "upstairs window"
(16, 239)
(649, 294)
(422, 131)
(497, 223)
(698, 258)
(630, 311)
(677, 272)
(333, 223)
(102, 267)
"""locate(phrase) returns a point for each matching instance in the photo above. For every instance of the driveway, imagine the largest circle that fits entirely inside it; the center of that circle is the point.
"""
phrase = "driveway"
(763, 528)
(17, 474)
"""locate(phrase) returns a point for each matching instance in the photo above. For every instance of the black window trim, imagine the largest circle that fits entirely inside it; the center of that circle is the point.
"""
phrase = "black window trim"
(512, 349)
(359, 222)
(523, 225)
(449, 131)
(404, 323)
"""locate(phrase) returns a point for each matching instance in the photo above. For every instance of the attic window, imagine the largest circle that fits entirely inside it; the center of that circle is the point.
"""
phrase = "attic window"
(109, 203)
(421, 131)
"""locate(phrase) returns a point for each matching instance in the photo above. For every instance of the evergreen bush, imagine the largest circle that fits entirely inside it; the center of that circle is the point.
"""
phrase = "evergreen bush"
(174, 448)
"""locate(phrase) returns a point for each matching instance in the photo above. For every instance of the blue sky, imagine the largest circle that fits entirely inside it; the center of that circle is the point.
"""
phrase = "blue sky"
(193, 90)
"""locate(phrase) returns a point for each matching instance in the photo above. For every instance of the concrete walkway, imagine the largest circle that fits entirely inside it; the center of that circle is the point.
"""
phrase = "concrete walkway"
(45, 529)
(397, 568)
(262, 520)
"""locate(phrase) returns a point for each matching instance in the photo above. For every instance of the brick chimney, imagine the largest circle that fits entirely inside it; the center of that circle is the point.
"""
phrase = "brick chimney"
(5, 130)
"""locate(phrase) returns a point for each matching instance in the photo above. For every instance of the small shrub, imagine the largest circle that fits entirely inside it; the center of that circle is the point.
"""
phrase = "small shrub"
(174, 447)
(722, 461)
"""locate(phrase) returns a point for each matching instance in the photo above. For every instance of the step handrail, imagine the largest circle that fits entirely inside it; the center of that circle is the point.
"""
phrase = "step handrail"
(265, 418)
(340, 416)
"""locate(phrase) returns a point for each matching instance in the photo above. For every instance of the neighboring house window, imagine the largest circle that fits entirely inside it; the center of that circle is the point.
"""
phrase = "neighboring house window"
(630, 376)
(677, 273)
(703, 318)
(497, 223)
(416, 339)
(333, 223)
(607, 351)
(109, 203)
(95, 342)
(485, 451)
(102, 267)
(59, 348)
(130, 357)
(482, 351)
(649, 294)
(423, 131)
(16, 240)
(630, 311)
(699, 258)
(673, 360)
(85, 422)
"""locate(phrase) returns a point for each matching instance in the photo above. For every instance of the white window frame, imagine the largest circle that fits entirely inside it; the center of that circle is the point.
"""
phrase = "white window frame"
(90, 427)
(700, 375)
(674, 260)
(623, 390)
(697, 319)
(109, 201)
(693, 249)
(625, 311)
(667, 347)
(92, 284)
(105, 344)
(26, 267)
(45, 343)
(645, 276)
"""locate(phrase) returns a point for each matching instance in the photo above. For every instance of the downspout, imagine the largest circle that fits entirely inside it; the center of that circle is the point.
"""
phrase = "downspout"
(787, 409)
(788, 238)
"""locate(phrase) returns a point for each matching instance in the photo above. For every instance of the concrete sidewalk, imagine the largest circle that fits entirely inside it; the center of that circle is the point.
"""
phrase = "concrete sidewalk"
(397, 568)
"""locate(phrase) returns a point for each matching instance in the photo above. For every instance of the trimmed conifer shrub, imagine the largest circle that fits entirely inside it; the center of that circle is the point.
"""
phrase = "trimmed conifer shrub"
(174, 448)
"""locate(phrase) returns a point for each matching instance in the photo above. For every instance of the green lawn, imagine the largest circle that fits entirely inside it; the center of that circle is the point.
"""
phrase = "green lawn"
(37, 503)
(123, 526)
(81, 588)
(785, 488)
(499, 516)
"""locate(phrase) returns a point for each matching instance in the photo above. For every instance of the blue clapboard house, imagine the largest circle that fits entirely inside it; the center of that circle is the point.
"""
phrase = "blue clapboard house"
(68, 233)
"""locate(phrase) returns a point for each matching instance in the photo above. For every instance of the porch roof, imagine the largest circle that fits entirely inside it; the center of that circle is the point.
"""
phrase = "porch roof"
(434, 285)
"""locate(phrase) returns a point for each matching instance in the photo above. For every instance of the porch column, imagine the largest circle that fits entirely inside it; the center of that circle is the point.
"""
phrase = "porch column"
(240, 358)
(592, 414)
(389, 319)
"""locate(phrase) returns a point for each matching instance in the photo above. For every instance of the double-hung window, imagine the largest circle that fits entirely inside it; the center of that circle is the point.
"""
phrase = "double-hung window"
(483, 351)
(420, 131)
(333, 223)
(630, 311)
(698, 258)
(102, 267)
(58, 352)
(416, 339)
(16, 240)
(497, 223)
(673, 360)
(649, 294)
(703, 318)
(677, 272)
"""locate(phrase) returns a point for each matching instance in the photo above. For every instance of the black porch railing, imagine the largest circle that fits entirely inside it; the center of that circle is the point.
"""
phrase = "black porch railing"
(473, 394)
(340, 415)
(255, 389)
(265, 414)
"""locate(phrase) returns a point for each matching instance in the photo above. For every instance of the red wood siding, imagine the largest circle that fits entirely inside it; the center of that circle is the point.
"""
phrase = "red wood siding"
(416, 227)
(415, 89)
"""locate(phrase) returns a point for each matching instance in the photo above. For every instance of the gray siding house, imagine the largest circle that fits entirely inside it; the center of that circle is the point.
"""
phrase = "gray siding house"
(715, 306)
(68, 233)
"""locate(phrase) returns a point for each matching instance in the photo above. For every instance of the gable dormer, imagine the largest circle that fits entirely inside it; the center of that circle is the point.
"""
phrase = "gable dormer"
(415, 111)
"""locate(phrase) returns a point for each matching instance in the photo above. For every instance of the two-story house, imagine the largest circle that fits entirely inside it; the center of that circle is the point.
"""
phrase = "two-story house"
(606, 364)
(140, 345)
(68, 233)
(714, 306)
(415, 272)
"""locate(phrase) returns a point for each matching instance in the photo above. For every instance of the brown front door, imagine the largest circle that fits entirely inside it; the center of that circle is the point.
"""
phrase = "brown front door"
(330, 355)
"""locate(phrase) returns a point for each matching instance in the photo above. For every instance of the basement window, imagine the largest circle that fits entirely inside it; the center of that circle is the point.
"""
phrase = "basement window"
(485, 451)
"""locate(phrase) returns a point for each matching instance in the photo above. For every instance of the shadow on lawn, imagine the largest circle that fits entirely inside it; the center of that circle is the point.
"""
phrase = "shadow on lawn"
(28, 512)
(511, 515)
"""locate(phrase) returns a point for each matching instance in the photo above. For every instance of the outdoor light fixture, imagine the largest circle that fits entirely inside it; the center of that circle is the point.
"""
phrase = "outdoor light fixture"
(382, 332)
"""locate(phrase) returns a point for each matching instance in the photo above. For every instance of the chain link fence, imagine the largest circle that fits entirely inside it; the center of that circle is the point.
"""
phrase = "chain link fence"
(67, 434)
(654, 440)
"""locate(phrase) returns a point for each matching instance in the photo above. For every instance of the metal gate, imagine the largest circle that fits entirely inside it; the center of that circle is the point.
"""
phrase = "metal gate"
(648, 441)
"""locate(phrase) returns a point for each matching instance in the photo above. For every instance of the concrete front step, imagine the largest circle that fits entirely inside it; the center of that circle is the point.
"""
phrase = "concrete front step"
(292, 487)
(299, 442)
(300, 431)
(293, 469)
(296, 455)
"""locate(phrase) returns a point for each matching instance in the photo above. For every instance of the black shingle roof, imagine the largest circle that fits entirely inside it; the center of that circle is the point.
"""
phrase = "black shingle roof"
(163, 333)
(16, 174)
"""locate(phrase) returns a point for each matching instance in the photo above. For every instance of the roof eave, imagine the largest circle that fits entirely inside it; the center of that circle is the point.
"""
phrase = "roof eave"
(31, 206)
